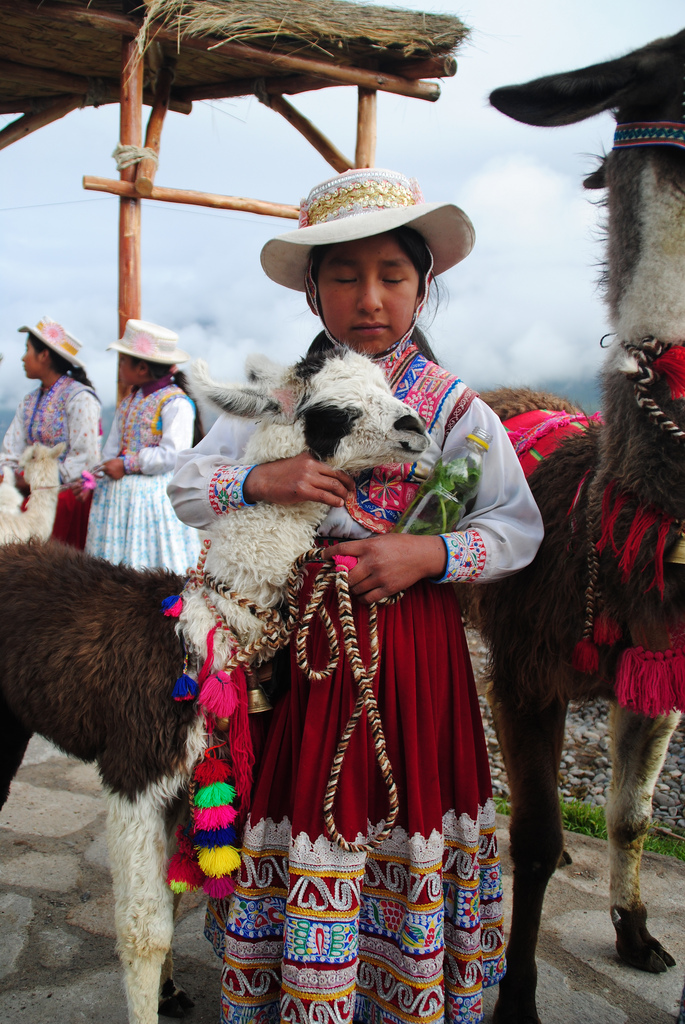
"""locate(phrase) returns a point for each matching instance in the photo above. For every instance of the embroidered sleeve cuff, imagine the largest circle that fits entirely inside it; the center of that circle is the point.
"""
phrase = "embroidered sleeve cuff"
(226, 489)
(131, 463)
(465, 556)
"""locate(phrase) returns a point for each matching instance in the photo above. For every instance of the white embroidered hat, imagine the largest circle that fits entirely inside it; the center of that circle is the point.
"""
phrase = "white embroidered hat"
(150, 342)
(361, 203)
(57, 338)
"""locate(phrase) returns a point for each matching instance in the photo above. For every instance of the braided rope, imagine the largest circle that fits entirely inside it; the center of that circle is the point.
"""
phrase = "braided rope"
(592, 565)
(644, 377)
(277, 632)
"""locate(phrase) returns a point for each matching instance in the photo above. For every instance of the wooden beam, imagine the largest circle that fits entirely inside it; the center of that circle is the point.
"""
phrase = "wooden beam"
(237, 51)
(147, 168)
(283, 84)
(130, 134)
(434, 67)
(365, 152)
(65, 83)
(191, 198)
(321, 144)
(23, 126)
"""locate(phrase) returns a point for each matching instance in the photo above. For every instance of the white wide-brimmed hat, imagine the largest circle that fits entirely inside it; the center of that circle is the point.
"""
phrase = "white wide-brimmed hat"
(150, 342)
(57, 338)
(361, 203)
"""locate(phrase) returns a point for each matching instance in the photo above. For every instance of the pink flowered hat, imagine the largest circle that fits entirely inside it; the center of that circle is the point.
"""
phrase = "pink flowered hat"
(57, 338)
(361, 203)
(150, 342)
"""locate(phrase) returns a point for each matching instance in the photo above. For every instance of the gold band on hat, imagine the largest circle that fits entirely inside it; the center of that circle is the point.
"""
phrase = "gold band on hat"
(359, 197)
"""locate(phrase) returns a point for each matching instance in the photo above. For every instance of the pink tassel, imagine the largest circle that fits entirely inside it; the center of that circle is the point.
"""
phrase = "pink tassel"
(214, 817)
(219, 692)
(651, 682)
(671, 366)
(240, 745)
(610, 516)
(345, 561)
(644, 519)
(173, 610)
(219, 888)
(606, 630)
(586, 656)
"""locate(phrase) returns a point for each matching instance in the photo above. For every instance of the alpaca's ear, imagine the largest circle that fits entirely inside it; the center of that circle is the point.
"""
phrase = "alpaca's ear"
(247, 400)
(262, 371)
(57, 450)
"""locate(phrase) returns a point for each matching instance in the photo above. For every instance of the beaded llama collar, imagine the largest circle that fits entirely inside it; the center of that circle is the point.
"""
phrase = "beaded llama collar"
(649, 133)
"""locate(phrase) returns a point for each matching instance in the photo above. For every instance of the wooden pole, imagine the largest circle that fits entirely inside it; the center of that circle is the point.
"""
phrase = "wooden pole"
(324, 146)
(147, 168)
(130, 134)
(23, 126)
(365, 153)
(236, 51)
(191, 198)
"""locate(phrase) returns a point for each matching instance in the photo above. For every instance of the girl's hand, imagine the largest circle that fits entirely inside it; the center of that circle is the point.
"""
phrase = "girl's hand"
(391, 562)
(301, 478)
(76, 487)
(113, 468)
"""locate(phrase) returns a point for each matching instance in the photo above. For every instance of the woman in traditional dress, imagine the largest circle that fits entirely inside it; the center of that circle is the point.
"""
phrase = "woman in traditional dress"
(63, 408)
(412, 930)
(132, 520)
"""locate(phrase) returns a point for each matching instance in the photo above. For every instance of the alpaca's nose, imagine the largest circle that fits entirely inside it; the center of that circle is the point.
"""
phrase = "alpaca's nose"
(408, 422)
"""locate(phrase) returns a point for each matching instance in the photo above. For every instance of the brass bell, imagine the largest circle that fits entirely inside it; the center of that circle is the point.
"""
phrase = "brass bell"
(257, 700)
(677, 552)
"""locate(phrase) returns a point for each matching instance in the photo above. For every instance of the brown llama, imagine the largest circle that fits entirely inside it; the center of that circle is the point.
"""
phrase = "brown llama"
(88, 660)
(602, 593)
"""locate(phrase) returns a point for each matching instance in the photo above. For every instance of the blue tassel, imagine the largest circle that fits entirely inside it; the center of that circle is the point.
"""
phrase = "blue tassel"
(211, 837)
(185, 688)
(172, 606)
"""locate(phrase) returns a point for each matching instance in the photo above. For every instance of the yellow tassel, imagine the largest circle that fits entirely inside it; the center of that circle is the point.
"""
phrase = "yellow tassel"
(220, 860)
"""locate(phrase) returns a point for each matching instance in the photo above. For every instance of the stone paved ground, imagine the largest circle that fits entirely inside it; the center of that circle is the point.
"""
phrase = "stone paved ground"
(58, 963)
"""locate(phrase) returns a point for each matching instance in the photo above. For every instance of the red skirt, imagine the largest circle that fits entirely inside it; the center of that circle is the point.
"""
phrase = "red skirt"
(71, 520)
(411, 931)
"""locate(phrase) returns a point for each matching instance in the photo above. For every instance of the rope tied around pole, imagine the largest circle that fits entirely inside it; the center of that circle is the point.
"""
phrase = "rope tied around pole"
(127, 156)
(278, 630)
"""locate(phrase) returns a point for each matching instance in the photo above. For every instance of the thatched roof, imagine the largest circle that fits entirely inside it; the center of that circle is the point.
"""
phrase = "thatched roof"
(65, 41)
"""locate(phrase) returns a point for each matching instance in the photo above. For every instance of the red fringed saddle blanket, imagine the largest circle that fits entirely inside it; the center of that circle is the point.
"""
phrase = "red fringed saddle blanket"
(536, 434)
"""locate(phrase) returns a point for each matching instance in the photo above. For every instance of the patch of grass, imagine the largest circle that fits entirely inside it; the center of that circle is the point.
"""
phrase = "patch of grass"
(590, 821)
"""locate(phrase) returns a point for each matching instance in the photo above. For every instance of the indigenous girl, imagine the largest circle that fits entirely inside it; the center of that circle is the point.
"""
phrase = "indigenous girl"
(132, 520)
(63, 408)
(411, 931)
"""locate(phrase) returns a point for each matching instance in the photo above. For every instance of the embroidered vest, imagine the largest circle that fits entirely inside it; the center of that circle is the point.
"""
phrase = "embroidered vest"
(141, 418)
(45, 413)
(383, 493)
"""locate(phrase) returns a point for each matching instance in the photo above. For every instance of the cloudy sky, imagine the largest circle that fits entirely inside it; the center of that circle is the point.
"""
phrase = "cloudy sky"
(523, 308)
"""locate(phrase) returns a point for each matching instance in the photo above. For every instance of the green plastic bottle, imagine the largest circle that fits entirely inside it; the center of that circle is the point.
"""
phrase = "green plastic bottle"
(441, 499)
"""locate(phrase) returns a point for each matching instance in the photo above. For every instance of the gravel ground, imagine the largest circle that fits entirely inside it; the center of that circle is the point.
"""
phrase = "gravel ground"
(585, 772)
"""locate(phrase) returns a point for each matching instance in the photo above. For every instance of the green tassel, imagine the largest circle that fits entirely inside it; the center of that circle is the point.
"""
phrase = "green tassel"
(216, 795)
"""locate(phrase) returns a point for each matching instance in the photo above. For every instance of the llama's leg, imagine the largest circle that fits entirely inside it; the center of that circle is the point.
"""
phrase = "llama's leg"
(14, 740)
(173, 1001)
(639, 747)
(531, 745)
(143, 912)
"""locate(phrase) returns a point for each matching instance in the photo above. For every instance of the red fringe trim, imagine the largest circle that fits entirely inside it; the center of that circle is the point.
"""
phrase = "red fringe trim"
(651, 682)
(671, 366)
(610, 516)
(606, 631)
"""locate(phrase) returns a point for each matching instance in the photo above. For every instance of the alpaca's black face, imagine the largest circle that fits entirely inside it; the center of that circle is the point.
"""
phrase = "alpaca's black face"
(326, 425)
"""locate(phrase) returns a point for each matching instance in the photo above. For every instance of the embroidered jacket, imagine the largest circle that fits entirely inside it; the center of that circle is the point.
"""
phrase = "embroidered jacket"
(499, 535)
(68, 411)
(152, 424)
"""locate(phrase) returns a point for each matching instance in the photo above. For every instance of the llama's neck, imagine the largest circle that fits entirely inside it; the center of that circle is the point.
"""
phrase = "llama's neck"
(254, 550)
(647, 250)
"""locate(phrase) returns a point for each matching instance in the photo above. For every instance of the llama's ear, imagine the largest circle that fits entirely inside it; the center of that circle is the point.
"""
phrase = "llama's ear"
(57, 450)
(262, 371)
(247, 400)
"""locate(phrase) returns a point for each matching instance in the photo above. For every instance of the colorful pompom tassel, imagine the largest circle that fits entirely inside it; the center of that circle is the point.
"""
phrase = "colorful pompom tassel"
(219, 694)
(172, 606)
(212, 769)
(185, 688)
(221, 860)
(214, 817)
(213, 837)
(219, 888)
(215, 795)
(184, 873)
(586, 656)
(651, 682)
(345, 561)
